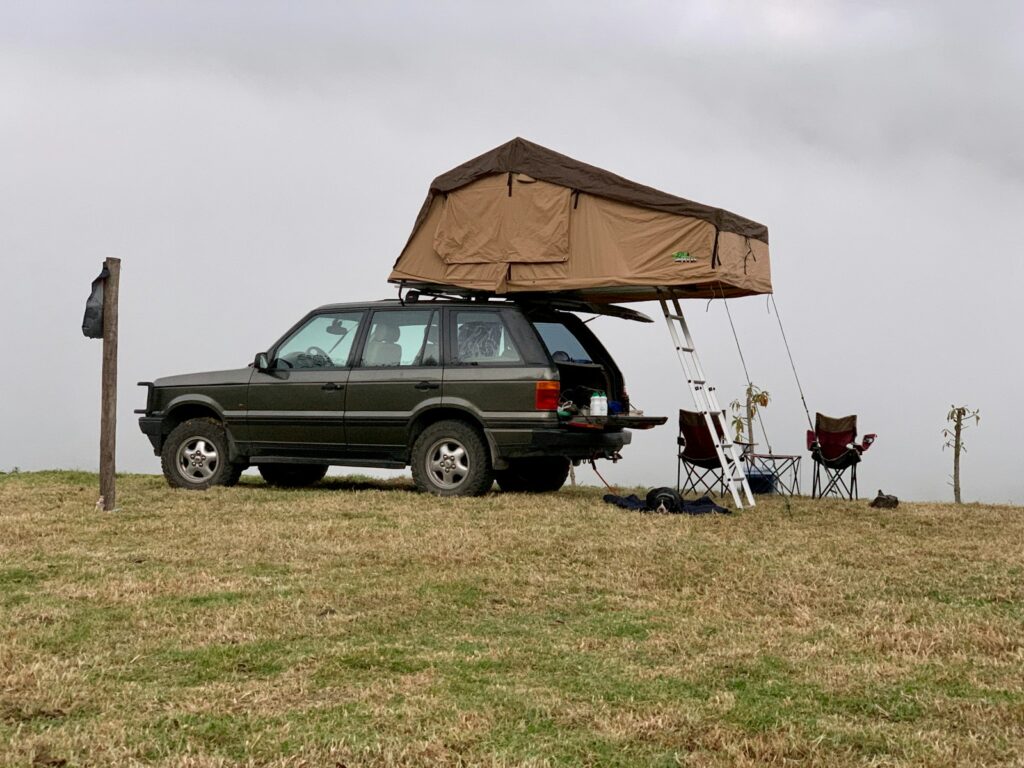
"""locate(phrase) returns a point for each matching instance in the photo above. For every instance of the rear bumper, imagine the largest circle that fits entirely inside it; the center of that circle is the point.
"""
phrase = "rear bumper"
(515, 444)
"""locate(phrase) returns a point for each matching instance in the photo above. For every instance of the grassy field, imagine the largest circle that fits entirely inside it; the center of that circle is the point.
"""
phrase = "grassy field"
(361, 624)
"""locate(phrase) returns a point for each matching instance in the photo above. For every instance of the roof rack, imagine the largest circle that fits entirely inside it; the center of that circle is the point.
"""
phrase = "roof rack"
(563, 302)
(414, 294)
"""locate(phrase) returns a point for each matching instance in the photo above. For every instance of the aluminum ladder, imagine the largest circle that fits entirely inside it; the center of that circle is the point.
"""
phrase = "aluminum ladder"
(706, 401)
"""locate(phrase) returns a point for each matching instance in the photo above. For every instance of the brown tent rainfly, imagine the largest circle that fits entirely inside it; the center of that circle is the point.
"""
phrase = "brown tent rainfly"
(523, 219)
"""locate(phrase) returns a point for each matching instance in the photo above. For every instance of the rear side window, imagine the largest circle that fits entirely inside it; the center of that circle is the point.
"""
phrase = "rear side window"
(481, 338)
(562, 345)
(401, 338)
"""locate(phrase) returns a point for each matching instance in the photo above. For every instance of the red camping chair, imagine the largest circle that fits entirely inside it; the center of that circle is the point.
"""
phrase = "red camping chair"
(698, 454)
(836, 455)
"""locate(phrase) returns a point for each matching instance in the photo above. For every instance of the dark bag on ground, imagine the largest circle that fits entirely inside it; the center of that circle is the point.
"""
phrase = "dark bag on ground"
(884, 501)
(92, 323)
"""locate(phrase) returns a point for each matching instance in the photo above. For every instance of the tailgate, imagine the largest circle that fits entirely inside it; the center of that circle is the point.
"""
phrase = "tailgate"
(615, 421)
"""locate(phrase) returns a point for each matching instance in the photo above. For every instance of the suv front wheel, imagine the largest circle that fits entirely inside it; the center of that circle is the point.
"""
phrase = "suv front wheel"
(195, 456)
(449, 458)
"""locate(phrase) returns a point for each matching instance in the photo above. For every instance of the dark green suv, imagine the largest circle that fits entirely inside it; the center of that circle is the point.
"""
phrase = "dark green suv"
(466, 392)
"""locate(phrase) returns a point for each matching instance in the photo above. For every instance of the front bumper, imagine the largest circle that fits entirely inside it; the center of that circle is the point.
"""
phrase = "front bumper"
(152, 427)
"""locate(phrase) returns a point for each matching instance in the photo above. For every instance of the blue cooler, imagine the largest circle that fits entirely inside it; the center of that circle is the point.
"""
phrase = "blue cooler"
(761, 480)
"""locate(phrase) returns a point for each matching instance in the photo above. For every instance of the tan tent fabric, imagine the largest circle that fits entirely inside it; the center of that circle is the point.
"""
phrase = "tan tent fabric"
(524, 219)
(483, 224)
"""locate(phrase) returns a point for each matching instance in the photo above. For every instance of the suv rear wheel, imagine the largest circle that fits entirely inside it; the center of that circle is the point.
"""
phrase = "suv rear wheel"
(534, 475)
(195, 456)
(292, 475)
(449, 458)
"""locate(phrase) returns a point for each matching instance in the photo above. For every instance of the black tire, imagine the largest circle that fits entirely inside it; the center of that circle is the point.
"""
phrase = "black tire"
(450, 458)
(195, 456)
(292, 475)
(539, 475)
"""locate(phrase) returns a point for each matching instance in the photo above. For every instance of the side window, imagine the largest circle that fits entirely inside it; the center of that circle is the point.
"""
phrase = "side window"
(482, 338)
(402, 337)
(562, 345)
(324, 341)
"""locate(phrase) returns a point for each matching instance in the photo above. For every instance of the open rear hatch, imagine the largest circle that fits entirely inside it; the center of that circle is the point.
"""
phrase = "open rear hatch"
(585, 367)
(614, 421)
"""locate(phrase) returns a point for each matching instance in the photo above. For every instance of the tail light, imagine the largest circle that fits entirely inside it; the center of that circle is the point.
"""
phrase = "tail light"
(547, 395)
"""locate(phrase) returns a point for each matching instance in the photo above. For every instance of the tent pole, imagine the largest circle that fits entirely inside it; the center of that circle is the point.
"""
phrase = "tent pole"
(792, 365)
(750, 384)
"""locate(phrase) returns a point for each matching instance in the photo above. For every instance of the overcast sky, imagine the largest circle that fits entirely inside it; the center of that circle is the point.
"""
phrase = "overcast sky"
(251, 160)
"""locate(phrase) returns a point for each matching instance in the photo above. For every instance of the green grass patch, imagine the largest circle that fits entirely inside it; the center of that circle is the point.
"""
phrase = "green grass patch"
(357, 623)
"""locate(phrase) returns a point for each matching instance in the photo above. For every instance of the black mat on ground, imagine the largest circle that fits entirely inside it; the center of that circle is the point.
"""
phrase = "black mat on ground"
(702, 506)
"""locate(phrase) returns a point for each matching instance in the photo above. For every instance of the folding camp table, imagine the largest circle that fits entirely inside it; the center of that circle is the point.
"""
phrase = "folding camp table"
(784, 468)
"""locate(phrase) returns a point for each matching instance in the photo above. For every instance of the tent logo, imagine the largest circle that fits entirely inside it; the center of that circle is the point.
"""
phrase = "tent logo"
(683, 257)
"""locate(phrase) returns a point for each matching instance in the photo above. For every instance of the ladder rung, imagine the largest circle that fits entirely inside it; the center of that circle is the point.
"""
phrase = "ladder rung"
(675, 317)
(697, 381)
(685, 349)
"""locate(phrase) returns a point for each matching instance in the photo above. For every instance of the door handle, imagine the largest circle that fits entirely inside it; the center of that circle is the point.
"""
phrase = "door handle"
(331, 386)
(423, 386)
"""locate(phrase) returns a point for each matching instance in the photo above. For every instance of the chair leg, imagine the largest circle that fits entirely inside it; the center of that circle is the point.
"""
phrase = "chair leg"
(690, 484)
(697, 480)
(837, 484)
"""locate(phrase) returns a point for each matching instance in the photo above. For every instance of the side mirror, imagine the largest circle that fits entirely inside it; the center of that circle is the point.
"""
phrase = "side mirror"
(262, 362)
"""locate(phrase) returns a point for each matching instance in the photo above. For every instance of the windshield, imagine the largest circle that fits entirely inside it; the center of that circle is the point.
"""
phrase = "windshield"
(324, 341)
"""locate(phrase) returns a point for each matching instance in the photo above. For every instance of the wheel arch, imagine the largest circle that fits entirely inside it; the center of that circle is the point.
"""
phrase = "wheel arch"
(181, 411)
(430, 416)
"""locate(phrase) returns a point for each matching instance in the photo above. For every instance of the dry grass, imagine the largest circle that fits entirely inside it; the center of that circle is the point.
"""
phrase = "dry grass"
(363, 625)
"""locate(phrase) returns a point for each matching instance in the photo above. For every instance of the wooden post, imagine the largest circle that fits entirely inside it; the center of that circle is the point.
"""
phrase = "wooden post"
(108, 387)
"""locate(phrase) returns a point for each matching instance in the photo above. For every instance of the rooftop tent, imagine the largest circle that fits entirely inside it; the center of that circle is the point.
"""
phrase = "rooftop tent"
(523, 219)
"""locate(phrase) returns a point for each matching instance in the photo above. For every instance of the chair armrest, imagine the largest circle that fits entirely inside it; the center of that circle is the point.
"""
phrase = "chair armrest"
(867, 442)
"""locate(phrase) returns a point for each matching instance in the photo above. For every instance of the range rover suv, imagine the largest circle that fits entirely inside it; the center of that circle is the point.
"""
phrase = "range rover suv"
(465, 392)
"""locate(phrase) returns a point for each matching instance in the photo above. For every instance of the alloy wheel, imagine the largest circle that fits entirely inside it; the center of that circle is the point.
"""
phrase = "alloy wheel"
(197, 459)
(448, 463)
